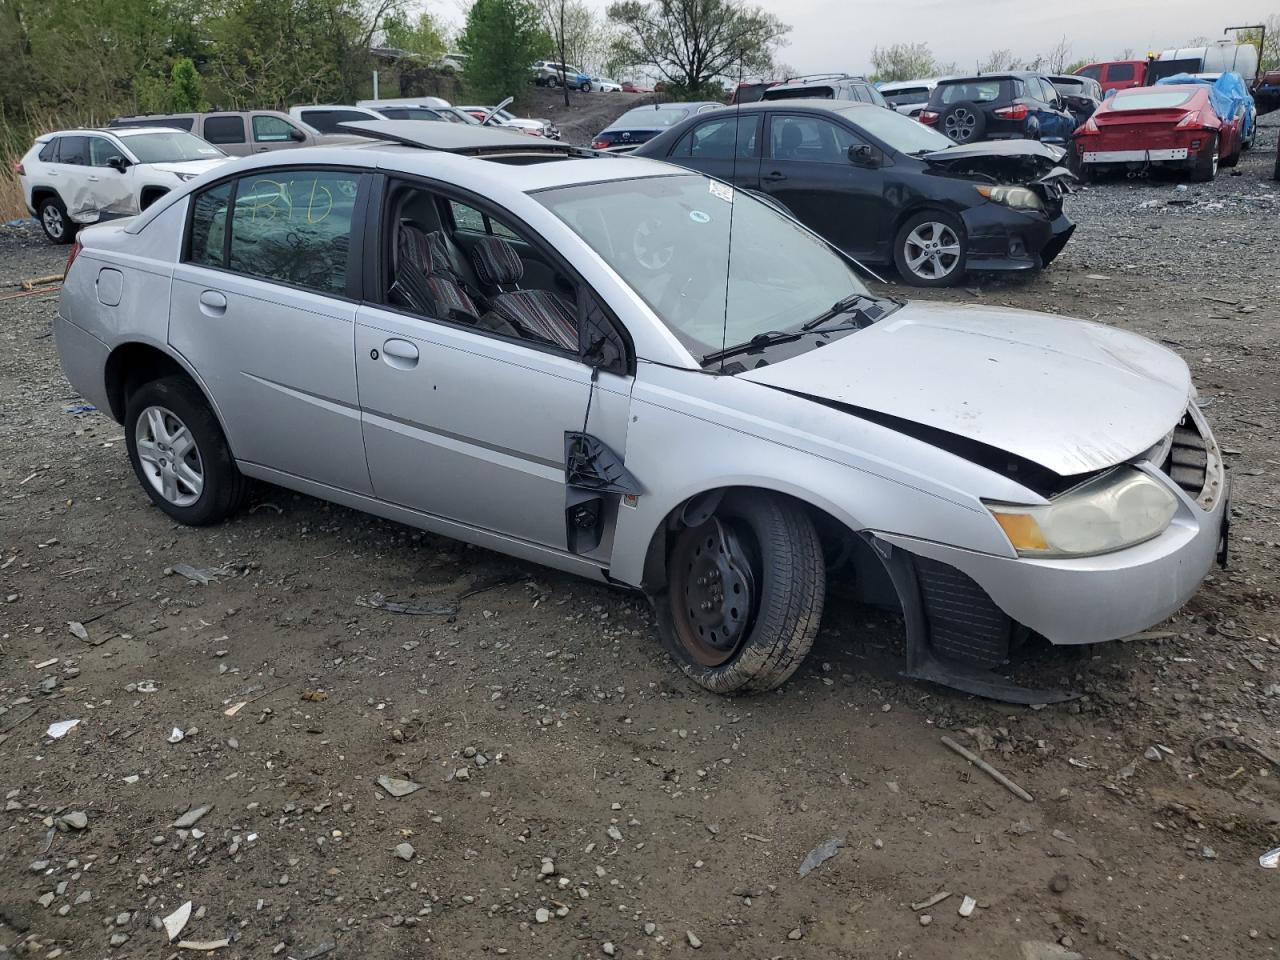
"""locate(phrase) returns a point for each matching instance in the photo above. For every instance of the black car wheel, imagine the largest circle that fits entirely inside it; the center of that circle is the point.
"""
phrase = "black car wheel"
(931, 249)
(745, 594)
(54, 221)
(964, 122)
(1206, 165)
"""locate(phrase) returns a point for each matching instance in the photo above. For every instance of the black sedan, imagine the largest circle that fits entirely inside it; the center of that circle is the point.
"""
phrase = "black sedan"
(883, 188)
(642, 124)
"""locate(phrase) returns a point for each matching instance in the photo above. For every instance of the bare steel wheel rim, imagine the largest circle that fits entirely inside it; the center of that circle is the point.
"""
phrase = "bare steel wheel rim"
(170, 458)
(959, 124)
(932, 250)
(713, 592)
(53, 222)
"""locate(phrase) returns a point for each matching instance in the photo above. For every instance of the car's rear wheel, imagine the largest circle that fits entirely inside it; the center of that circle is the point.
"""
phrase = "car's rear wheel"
(963, 122)
(745, 594)
(931, 249)
(180, 454)
(54, 221)
(586, 87)
(1206, 166)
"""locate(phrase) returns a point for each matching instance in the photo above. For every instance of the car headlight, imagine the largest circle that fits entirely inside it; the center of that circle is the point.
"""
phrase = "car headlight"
(1019, 198)
(1116, 510)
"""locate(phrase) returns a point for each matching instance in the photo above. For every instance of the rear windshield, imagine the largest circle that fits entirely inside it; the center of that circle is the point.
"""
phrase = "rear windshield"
(795, 93)
(749, 93)
(975, 91)
(648, 117)
(898, 98)
(1150, 100)
(1072, 88)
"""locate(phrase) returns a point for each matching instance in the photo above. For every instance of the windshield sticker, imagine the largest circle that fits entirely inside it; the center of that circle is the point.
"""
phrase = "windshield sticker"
(697, 216)
(722, 190)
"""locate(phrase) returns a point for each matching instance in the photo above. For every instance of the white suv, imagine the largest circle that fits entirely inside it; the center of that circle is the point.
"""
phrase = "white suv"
(75, 177)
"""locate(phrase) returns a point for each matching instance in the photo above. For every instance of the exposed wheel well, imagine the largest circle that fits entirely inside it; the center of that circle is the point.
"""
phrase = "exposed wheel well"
(40, 194)
(836, 536)
(150, 195)
(131, 365)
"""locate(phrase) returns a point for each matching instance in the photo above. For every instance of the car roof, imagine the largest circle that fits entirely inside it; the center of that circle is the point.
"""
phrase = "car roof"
(456, 138)
(329, 106)
(798, 103)
(818, 82)
(893, 85)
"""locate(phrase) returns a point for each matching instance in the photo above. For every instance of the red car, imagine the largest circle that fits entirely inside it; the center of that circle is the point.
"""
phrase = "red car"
(1167, 126)
(1116, 74)
(629, 86)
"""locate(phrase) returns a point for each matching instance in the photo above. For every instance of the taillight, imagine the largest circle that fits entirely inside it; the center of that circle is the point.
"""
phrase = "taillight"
(928, 116)
(1015, 111)
(1089, 128)
(19, 170)
(1192, 119)
(599, 144)
(71, 258)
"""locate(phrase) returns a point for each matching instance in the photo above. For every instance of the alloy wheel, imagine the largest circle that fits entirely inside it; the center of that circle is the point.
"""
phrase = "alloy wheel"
(960, 124)
(170, 458)
(54, 224)
(932, 250)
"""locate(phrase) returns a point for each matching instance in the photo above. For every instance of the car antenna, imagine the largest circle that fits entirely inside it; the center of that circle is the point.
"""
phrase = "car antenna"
(733, 180)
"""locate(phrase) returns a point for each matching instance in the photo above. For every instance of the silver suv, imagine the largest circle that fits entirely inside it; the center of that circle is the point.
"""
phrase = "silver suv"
(239, 133)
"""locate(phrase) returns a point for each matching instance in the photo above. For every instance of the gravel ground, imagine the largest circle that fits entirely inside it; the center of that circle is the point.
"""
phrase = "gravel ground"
(578, 798)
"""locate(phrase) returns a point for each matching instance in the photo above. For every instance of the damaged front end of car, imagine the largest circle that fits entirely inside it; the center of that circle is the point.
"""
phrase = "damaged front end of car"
(1023, 225)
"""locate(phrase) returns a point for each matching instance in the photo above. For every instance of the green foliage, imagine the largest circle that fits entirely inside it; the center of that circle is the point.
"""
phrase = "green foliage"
(187, 93)
(903, 61)
(501, 39)
(423, 38)
(692, 43)
(1269, 47)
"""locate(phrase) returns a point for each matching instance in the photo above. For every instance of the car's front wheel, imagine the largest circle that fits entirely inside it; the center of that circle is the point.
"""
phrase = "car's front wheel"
(586, 87)
(180, 454)
(744, 594)
(930, 250)
(54, 221)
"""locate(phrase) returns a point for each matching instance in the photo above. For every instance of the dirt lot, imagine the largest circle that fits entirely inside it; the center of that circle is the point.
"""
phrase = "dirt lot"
(578, 797)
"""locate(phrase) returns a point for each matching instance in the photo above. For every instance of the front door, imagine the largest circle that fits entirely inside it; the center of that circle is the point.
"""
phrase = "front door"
(114, 192)
(265, 316)
(808, 170)
(465, 412)
(274, 133)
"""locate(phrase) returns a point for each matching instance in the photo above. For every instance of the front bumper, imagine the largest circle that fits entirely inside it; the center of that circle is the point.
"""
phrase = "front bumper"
(1004, 239)
(1092, 599)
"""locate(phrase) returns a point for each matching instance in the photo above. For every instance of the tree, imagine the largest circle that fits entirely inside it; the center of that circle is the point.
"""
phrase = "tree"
(903, 61)
(423, 38)
(693, 42)
(998, 61)
(501, 39)
(187, 93)
(555, 14)
(1059, 56)
(1268, 47)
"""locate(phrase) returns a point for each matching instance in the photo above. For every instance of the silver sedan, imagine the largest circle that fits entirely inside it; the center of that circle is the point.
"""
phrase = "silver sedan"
(635, 373)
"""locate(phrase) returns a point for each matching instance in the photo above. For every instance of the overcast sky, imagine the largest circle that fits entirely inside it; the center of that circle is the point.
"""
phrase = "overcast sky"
(829, 35)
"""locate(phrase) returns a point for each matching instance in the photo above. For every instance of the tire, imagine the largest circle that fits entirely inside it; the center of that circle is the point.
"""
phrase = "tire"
(55, 223)
(774, 560)
(963, 122)
(154, 414)
(586, 87)
(553, 82)
(1206, 165)
(941, 266)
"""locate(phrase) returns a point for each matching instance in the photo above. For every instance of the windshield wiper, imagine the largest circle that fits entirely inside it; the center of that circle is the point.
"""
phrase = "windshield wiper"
(767, 339)
(855, 303)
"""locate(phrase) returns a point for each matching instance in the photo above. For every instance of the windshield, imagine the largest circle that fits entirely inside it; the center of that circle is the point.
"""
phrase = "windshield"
(1150, 100)
(901, 133)
(668, 238)
(650, 117)
(176, 147)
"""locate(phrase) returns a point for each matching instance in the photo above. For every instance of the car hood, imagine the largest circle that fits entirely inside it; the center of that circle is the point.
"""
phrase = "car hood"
(1071, 396)
(189, 167)
(997, 148)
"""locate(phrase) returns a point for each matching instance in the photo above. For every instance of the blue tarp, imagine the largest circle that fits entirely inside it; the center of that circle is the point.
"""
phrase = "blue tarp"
(1226, 94)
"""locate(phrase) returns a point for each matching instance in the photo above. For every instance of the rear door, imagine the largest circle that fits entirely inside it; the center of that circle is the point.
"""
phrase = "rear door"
(807, 169)
(226, 130)
(726, 147)
(265, 313)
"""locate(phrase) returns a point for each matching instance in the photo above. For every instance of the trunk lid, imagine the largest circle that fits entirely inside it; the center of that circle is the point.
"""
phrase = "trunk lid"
(1071, 396)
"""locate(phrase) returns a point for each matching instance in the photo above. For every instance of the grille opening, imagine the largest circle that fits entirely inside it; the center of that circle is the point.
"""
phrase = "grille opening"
(1188, 461)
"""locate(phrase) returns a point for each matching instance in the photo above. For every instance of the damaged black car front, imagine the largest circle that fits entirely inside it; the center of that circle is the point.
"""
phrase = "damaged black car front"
(885, 189)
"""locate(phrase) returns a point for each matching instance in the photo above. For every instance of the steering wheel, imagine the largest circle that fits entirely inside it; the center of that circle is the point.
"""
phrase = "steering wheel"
(650, 249)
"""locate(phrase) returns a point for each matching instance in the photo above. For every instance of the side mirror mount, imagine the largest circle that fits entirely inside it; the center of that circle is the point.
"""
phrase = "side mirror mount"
(865, 155)
(117, 163)
(297, 136)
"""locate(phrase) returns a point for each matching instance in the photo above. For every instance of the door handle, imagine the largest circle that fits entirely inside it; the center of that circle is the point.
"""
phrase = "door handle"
(213, 303)
(93, 179)
(263, 149)
(774, 176)
(400, 354)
